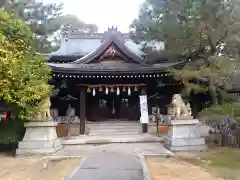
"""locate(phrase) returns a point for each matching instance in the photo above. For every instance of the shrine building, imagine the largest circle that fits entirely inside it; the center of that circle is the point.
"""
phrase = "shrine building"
(100, 77)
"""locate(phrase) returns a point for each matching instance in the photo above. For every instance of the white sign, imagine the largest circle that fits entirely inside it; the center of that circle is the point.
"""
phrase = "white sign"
(144, 109)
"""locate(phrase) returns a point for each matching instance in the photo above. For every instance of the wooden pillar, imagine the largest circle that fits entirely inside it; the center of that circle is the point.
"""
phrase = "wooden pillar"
(82, 110)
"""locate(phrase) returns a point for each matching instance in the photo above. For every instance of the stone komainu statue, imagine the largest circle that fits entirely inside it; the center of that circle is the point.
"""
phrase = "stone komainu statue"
(179, 106)
(44, 111)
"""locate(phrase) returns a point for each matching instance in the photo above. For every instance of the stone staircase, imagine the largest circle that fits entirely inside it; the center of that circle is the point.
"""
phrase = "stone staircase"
(114, 128)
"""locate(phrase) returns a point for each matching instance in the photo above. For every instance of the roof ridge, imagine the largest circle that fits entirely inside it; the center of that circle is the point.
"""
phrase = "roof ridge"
(104, 46)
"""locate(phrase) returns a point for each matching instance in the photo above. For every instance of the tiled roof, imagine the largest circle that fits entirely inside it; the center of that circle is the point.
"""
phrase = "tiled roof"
(82, 44)
(112, 66)
(109, 52)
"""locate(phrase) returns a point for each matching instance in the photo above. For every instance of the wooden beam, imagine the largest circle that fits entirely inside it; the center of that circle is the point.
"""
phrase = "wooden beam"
(82, 110)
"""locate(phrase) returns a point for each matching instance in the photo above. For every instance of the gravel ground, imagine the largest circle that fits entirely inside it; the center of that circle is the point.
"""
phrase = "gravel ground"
(35, 168)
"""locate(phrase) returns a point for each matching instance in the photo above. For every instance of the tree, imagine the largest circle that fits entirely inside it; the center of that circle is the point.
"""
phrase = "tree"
(46, 21)
(77, 24)
(24, 74)
(42, 18)
(205, 32)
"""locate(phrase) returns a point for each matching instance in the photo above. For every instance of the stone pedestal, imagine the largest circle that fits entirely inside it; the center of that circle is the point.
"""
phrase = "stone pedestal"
(74, 129)
(144, 123)
(183, 135)
(39, 138)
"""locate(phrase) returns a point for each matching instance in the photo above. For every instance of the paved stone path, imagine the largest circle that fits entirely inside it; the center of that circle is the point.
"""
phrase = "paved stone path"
(124, 148)
(111, 161)
(110, 166)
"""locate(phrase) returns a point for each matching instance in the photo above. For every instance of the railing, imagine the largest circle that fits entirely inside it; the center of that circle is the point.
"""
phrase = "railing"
(161, 124)
(66, 119)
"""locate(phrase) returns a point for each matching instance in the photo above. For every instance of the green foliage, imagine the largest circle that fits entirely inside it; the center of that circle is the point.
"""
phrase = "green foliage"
(226, 97)
(187, 26)
(226, 158)
(223, 158)
(218, 68)
(11, 131)
(215, 113)
(42, 19)
(223, 163)
(76, 24)
(24, 74)
(223, 109)
(16, 32)
(45, 20)
(206, 32)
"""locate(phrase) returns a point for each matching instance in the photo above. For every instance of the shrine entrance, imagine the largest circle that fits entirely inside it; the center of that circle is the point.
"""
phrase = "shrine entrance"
(112, 107)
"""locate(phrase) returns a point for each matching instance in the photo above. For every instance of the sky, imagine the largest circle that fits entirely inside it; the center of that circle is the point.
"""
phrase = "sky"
(104, 13)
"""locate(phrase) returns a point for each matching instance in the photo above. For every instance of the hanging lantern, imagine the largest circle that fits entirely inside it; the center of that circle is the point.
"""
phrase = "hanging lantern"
(124, 89)
(106, 91)
(118, 91)
(94, 92)
(135, 88)
(112, 90)
(88, 90)
(100, 89)
(129, 91)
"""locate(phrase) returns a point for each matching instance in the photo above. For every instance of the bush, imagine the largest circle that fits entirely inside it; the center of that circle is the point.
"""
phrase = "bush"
(11, 131)
(224, 121)
(218, 112)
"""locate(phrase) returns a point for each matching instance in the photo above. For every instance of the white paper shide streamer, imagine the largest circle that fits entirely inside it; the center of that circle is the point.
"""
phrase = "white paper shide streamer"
(118, 91)
(106, 91)
(129, 91)
(94, 92)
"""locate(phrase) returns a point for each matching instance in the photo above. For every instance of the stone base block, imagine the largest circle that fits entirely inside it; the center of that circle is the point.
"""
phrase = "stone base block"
(183, 135)
(39, 138)
(37, 150)
(144, 127)
(39, 144)
(74, 130)
(185, 144)
(198, 148)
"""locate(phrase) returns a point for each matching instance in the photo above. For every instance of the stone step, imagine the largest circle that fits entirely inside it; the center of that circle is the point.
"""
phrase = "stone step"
(114, 121)
(98, 139)
(115, 133)
(119, 128)
(116, 128)
(108, 125)
(112, 130)
(113, 125)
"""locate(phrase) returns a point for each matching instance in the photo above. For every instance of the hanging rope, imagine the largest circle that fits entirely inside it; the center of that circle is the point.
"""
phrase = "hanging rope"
(113, 85)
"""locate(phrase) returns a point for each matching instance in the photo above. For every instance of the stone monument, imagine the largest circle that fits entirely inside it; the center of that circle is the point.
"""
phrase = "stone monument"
(183, 132)
(40, 136)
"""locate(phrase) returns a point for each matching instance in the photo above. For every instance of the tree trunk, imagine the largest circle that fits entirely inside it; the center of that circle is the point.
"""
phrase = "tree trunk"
(212, 90)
